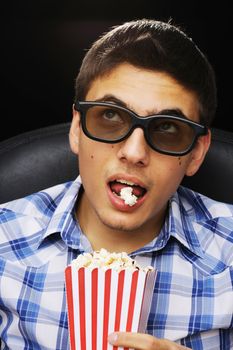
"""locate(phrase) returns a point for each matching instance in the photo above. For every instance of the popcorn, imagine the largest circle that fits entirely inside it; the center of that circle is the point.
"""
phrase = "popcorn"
(104, 259)
(106, 292)
(126, 193)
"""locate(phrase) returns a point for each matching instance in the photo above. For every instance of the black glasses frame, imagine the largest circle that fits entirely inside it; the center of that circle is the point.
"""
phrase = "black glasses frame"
(139, 122)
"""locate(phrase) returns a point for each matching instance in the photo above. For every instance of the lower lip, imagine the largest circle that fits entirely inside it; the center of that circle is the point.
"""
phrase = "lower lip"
(119, 203)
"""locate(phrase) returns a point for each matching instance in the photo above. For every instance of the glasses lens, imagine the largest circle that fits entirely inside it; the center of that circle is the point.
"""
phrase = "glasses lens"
(171, 135)
(107, 123)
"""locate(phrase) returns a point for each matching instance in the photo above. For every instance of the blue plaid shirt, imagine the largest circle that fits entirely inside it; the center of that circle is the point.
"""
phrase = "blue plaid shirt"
(193, 296)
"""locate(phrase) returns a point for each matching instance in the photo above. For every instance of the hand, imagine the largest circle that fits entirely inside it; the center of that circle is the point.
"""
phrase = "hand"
(139, 341)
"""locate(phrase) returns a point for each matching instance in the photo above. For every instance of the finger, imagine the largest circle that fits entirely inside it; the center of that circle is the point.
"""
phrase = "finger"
(139, 341)
(133, 340)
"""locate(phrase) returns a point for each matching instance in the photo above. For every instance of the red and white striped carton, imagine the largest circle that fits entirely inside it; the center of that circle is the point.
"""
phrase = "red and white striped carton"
(103, 301)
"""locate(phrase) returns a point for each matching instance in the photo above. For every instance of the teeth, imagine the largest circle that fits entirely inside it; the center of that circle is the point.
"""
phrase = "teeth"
(126, 182)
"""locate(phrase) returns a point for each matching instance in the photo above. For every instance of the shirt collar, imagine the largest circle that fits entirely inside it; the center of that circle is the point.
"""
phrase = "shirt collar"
(63, 220)
(188, 213)
(180, 225)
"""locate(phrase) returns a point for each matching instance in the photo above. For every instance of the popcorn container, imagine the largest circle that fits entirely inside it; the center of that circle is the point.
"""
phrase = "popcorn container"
(101, 301)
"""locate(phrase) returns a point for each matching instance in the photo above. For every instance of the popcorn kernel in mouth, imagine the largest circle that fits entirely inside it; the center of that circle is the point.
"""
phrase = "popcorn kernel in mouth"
(127, 195)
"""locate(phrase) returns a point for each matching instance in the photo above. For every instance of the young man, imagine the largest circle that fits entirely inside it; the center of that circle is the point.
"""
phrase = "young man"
(145, 96)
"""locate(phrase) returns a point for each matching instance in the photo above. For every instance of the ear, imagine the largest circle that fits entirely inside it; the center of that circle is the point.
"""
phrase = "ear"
(74, 133)
(198, 154)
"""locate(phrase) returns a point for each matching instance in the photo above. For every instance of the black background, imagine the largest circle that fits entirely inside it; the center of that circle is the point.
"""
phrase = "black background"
(43, 43)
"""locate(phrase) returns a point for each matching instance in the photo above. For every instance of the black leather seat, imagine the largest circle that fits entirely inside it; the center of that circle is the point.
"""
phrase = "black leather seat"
(35, 160)
(42, 158)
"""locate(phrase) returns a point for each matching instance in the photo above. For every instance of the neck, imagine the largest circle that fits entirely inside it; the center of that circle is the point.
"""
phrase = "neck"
(115, 239)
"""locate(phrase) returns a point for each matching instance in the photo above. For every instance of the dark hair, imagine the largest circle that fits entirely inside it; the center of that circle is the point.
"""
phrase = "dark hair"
(157, 46)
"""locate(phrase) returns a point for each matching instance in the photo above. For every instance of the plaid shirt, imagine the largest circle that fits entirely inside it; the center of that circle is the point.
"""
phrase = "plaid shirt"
(193, 296)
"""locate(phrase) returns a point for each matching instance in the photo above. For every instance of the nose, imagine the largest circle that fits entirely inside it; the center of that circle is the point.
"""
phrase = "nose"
(135, 149)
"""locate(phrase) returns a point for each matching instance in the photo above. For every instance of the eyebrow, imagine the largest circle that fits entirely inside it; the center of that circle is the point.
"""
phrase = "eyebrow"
(168, 111)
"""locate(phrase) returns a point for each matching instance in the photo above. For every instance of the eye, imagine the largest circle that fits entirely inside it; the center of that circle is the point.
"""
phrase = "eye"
(112, 115)
(167, 126)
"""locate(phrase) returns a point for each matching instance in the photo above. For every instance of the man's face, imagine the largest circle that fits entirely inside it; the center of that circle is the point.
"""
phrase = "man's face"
(104, 168)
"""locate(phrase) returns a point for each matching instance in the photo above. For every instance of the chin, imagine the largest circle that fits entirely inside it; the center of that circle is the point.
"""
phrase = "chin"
(123, 225)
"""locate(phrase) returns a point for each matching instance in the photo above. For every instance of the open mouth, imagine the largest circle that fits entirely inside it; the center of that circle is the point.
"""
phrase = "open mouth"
(127, 191)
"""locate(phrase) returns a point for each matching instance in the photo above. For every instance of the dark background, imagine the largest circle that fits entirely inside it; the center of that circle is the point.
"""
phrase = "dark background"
(43, 43)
